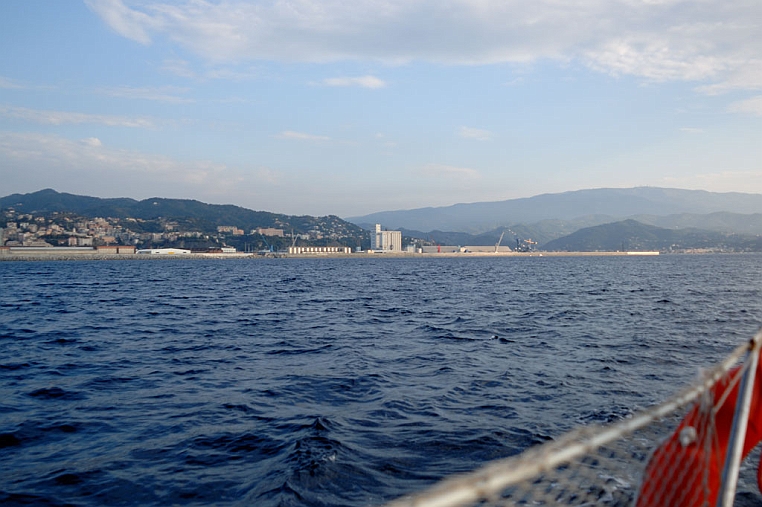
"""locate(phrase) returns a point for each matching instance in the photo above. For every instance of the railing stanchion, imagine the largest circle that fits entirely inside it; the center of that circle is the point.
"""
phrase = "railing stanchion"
(740, 423)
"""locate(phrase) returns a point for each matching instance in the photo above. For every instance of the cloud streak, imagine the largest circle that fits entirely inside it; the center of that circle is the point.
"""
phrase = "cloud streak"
(129, 23)
(371, 82)
(301, 136)
(47, 117)
(714, 41)
(168, 94)
(9, 84)
(477, 134)
(448, 171)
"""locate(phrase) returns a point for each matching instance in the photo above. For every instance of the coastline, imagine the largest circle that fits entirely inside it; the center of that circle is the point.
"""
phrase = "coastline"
(59, 256)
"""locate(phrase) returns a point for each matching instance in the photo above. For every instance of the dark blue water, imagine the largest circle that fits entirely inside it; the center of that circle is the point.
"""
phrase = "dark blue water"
(342, 382)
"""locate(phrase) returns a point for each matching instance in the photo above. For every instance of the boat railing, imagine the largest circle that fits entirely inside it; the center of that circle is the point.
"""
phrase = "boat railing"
(677, 454)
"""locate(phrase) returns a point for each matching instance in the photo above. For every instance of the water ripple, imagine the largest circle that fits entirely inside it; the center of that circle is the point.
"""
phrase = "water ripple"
(334, 382)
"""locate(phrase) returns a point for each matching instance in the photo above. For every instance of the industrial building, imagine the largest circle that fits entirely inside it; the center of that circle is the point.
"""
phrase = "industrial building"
(385, 241)
(116, 249)
(302, 250)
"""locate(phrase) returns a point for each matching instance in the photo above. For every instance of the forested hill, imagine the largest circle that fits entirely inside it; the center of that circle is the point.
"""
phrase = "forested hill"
(189, 213)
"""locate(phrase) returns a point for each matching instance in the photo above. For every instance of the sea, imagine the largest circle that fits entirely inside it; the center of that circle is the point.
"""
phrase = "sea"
(335, 382)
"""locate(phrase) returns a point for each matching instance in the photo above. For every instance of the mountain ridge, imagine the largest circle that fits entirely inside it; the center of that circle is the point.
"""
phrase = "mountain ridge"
(631, 235)
(612, 203)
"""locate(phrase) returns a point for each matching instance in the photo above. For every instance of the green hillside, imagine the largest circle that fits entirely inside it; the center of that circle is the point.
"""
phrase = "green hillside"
(631, 235)
(156, 214)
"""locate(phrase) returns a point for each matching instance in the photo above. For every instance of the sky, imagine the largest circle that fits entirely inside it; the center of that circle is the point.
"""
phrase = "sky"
(349, 107)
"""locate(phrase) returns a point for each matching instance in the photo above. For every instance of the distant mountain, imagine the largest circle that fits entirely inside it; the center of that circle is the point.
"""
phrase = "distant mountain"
(631, 235)
(720, 222)
(190, 213)
(602, 205)
(548, 230)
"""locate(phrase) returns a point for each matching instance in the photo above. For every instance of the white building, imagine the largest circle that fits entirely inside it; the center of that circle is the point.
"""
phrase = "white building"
(302, 250)
(386, 241)
(164, 251)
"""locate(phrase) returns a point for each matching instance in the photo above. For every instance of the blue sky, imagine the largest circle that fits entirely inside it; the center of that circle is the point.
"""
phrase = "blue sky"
(349, 107)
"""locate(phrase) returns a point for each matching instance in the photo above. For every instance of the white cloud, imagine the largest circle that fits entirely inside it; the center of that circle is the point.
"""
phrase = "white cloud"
(230, 72)
(363, 81)
(655, 57)
(92, 142)
(301, 136)
(447, 171)
(60, 162)
(12, 84)
(743, 74)
(129, 23)
(9, 84)
(89, 153)
(66, 117)
(749, 106)
(712, 41)
(472, 133)
(168, 94)
(179, 68)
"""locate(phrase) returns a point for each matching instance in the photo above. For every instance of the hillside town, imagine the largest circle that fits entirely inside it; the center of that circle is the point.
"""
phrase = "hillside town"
(59, 229)
(68, 233)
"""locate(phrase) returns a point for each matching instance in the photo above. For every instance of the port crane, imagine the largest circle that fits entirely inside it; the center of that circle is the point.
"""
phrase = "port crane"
(269, 246)
(497, 245)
